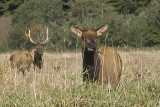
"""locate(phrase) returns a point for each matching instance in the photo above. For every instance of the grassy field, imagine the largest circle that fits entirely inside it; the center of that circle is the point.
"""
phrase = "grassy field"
(139, 84)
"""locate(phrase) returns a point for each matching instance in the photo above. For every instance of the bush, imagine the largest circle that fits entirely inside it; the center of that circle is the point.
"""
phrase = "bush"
(4, 47)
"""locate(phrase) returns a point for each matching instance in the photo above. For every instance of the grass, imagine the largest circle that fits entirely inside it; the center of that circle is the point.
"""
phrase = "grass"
(139, 84)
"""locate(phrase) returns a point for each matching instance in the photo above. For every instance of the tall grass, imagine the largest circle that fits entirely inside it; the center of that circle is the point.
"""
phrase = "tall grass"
(139, 84)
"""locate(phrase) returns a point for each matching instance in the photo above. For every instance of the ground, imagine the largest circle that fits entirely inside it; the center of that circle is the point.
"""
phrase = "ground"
(59, 83)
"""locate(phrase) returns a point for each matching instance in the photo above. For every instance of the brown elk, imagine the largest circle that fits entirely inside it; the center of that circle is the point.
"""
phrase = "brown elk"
(38, 52)
(103, 65)
(21, 61)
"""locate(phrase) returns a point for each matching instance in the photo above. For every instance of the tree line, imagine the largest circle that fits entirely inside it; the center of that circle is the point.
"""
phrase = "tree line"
(134, 23)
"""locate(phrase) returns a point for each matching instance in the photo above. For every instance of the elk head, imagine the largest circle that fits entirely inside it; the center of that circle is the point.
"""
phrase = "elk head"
(89, 37)
(38, 53)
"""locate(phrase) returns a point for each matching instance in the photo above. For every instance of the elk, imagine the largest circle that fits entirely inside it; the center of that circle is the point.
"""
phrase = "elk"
(21, 61)
(102, 65)
(38, 52)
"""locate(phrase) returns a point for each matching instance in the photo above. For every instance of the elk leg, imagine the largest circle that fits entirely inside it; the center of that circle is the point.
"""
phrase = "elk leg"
(24, 71)
(85, 73)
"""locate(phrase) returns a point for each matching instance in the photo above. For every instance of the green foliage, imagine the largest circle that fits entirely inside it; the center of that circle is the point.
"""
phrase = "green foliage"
(34, 11)
(129, 6)
(4, 47)
(1, 9)
(90, 95)
(131, 23)
(8, 7)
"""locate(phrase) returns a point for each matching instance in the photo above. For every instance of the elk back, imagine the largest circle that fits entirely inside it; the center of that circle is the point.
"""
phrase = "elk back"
(21, 60)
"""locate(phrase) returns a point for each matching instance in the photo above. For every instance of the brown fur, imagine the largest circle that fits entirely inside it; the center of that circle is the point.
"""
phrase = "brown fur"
(38, 56)
(103, 65)
(38, 52)
(21, 61)
(110, 66)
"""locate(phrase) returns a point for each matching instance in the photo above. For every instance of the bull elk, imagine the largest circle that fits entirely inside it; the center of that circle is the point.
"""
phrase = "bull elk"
(21, 61)
(38, 52)
(103, 65)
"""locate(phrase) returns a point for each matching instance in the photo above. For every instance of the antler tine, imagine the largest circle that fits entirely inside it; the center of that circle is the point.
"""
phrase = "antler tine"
(26, 34)
(30, 38)
(46, 38)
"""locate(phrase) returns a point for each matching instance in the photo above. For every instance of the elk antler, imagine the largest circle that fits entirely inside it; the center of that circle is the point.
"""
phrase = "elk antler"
(46, 39)
(30, 38)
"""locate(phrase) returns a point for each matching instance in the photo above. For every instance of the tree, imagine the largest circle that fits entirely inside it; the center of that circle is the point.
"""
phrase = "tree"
(129, 6)
(46, 12)
(132, 22)
(7, 7)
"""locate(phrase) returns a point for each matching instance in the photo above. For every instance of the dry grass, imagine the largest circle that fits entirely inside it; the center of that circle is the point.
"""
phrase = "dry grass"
(140, 83)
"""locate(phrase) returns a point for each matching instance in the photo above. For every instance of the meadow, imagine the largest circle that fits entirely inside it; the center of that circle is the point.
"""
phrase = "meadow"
(60, 83)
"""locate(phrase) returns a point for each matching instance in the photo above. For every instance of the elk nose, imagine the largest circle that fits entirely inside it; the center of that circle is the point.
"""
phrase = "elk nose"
(94, 45)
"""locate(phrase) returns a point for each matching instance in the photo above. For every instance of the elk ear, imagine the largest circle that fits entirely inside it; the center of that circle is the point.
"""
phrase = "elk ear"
(102, 29)
(76, 31)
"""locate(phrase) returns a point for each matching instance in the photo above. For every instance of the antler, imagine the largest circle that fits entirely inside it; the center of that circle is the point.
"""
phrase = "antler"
(30, 38)
(46, 39)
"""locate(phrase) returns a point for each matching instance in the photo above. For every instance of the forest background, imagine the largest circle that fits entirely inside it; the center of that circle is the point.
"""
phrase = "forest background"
(132, 23)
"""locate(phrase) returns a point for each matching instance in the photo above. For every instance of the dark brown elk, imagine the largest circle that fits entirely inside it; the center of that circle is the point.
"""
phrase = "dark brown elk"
(103, 65)
(21, 61)
(38, 52)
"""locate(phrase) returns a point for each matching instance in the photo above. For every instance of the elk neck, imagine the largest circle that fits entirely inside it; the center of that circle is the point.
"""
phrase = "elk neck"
(38, 56)
(88, 58)
(91, 64)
